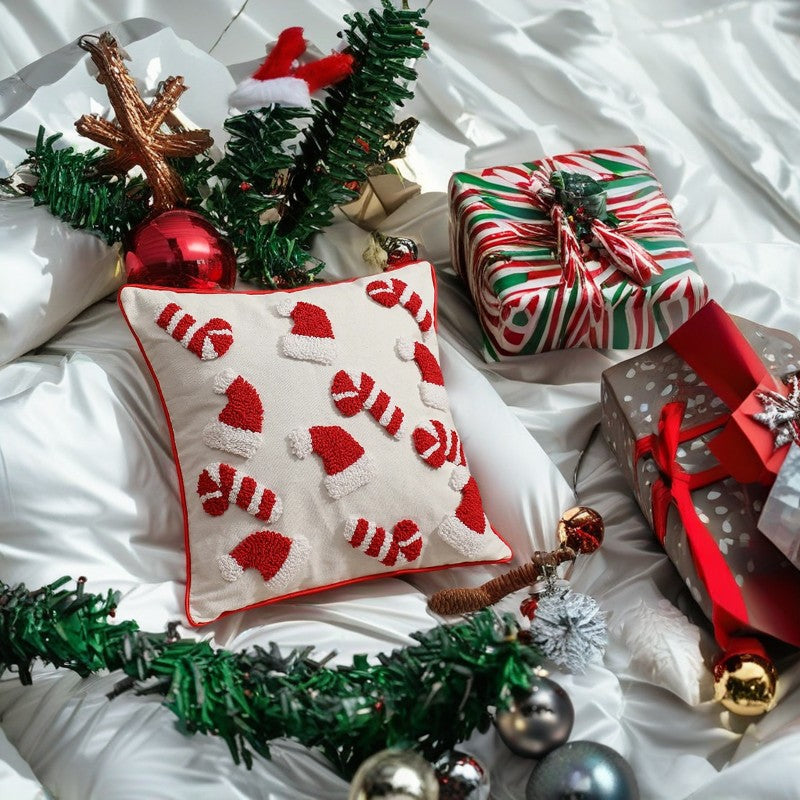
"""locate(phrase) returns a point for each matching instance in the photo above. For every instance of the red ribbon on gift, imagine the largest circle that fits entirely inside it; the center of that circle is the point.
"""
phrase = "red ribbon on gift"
(675, 487)
(717, 351)
(625, 252)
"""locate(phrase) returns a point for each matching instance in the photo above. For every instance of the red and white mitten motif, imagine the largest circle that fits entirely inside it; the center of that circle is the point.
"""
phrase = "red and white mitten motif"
(431, 387)
(404, 543)
(311, 337)
(346, 464)
(238, 428)
(353, 391)
(219, 485)
(207, 341)
(390, 292)
(436, 444)
(278, 558)
(464, 529)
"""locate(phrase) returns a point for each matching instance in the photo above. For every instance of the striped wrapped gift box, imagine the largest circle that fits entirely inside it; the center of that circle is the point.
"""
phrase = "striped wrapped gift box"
(540, 282)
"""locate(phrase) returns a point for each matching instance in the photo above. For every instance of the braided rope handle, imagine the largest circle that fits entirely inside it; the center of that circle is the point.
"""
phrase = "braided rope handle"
(449, 602)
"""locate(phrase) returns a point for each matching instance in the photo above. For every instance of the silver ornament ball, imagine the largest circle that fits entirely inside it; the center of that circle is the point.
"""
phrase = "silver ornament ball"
(394, 775)
(585, 770)
(538, 722)
(461, 777)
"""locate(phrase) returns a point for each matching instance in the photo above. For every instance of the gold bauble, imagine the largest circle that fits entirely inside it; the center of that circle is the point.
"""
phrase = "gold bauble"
(745, 684)
(581, 529)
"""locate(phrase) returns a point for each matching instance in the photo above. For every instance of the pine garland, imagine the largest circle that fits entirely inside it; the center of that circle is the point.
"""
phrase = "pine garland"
(427, 697)
(258, 155)
(346, 135)
(69, 185)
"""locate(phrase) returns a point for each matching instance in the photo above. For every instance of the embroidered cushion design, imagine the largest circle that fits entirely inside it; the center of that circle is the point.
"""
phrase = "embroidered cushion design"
(341, 459)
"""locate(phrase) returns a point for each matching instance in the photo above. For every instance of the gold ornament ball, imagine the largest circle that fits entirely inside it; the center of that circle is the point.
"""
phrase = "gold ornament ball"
(581, 529)
(394, 775)
(745, 684)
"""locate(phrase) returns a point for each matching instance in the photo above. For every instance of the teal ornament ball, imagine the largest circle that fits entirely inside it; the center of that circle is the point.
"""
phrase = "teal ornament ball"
(582, 771)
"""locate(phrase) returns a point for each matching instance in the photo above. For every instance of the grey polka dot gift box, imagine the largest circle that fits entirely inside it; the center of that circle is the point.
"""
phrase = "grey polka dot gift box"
(693, 426)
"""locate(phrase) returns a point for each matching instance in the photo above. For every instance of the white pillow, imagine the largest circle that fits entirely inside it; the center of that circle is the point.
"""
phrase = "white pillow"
(50, 272)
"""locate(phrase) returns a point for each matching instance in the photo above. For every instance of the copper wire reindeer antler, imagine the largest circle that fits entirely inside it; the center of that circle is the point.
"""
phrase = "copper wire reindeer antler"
(136, 136)
(580, 530)
(448, 602)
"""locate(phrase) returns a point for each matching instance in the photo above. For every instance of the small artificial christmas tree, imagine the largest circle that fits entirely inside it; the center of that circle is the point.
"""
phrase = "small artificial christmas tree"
(286, 166)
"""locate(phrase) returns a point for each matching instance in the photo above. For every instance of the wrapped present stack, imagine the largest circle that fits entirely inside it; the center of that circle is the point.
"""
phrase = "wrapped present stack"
(691, 424)
(578, 250)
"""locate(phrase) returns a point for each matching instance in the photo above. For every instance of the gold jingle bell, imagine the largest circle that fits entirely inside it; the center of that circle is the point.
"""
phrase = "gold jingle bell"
(581, 529)
(745, 684)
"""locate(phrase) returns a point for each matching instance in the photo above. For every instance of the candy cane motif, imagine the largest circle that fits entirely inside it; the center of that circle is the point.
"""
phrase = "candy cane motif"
(431, 387)
(207, 340)
(404, 543)
(390, 292)
(353, 391)
(219, 485)
(436, 444)
(464, 529)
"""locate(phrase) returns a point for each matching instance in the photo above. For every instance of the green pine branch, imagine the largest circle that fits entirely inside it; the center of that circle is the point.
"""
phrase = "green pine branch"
(70, 186)
(346, 134)
(251, 178)
(428, 696)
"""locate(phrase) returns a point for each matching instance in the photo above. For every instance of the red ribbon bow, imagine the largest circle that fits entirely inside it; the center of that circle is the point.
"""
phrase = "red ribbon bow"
(717, 351)
(625, 252)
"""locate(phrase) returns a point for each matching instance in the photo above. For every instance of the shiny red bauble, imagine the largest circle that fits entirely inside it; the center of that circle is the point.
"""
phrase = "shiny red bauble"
(180, 249)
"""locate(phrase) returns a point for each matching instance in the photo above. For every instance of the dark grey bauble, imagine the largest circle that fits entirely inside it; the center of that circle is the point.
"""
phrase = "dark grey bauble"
(539, 722)
(582, 771)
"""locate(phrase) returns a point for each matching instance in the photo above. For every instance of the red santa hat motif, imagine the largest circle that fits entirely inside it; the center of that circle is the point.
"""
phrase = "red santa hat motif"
(346, 464)
(431, 387)
(463, 530)
(279, 80)
(311, 337)
(237, 430)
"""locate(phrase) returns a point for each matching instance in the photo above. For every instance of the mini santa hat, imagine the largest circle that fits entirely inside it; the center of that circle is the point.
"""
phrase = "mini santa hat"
(346, 464)
(311, 337)
(431, 387)
(281, 81)
(463, 529)
(238, 428)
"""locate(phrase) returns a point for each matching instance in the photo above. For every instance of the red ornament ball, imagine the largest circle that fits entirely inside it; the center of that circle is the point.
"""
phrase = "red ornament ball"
(180, 249)
(582, 529)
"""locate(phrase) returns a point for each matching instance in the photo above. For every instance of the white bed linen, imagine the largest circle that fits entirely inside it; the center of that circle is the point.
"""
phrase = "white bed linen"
(711, 89)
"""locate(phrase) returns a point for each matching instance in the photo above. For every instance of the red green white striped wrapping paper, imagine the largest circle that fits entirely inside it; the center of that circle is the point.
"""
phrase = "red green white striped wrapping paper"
(524, 303)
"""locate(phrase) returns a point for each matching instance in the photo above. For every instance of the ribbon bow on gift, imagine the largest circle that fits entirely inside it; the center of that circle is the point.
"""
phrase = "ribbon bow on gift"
(576, 205)
(750, 447)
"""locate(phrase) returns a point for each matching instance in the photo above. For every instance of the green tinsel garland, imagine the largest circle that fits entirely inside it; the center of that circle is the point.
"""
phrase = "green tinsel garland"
(427, 697)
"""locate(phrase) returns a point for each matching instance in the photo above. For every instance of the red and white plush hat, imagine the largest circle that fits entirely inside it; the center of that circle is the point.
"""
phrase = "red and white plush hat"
(346, 464)
(279, 80)
(311, 337)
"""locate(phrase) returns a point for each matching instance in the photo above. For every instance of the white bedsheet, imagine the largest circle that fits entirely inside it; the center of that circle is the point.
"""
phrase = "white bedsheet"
(711, 88)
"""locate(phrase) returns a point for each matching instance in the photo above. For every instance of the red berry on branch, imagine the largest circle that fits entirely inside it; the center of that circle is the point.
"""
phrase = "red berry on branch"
(245, 186)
